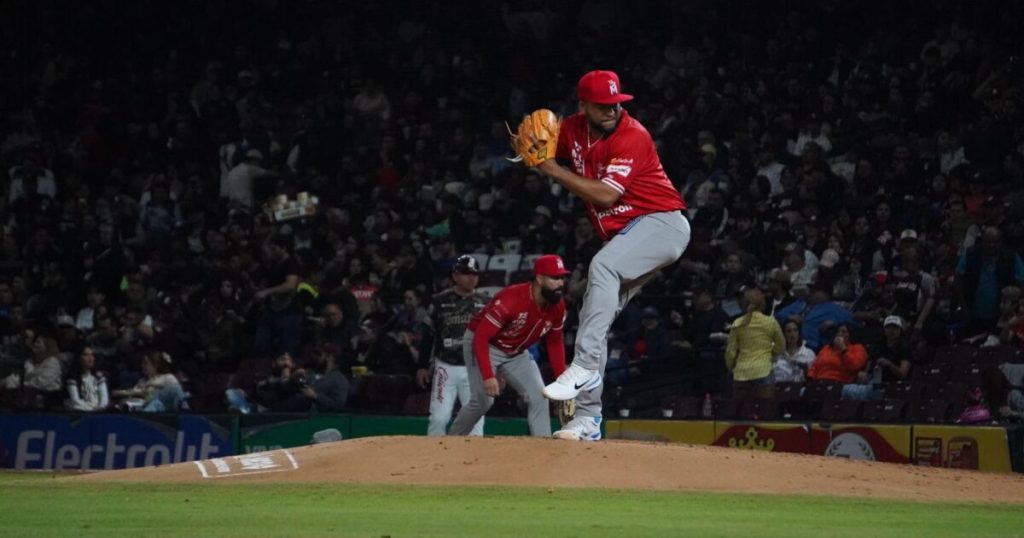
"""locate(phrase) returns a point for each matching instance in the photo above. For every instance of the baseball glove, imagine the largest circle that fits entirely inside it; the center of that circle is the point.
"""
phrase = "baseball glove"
(566, 409)
(536, 138)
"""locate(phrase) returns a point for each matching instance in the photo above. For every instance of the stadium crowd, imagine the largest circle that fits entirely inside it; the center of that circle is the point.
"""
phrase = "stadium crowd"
(864, 167)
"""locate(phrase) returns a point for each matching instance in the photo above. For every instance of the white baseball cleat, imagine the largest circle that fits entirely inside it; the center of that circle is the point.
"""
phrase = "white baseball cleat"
(581, 429)
(571, 382)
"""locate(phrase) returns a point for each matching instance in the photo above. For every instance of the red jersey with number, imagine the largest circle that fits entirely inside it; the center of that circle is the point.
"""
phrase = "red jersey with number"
(520, 322)
(626, 161)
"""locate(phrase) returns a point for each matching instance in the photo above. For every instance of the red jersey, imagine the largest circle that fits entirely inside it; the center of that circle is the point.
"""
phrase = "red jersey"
(520, 322)
(626, 161)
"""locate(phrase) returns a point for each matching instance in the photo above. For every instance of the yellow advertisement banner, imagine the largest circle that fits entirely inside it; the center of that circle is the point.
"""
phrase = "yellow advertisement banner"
(669, 431)
(963, 447)
(767, 436)
(870, 442)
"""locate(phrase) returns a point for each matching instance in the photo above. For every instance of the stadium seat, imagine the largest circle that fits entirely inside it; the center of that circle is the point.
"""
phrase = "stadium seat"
(493, 277)
(417, 403)
(522, 275)
(481, 259)
(688, 407)
(951, 391)
(841, 410)
(929, 411)
(727, 409)
(998, 354)
(969, 374)
(512, 246)
(819, 392)
(386, 392)
(504, 262)
(902, 390)
(489, 291)
(528, 260)
(955, 353)
(931, 375)
(785, 392)
(761, 409)
(883, 411)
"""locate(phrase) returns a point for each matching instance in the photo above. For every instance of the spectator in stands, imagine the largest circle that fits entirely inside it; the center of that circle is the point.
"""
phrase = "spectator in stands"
(754, 339)
(914, 291)
(840, 360)
(816, 315)
(801, 264)
(333, 329)
(790, 366)
(1013, 326)
(890, 363)
(96, 302)
(984, 270)
(41, 377)
(977, 411)
(653, 342)
(382, 353)
(324, 389)
(728, 282)
(159, 391)
(279, 328)
(86, 386)
(780, 283)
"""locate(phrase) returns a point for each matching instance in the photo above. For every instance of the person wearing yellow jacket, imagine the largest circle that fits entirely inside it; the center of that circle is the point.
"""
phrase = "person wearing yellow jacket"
(754, 339)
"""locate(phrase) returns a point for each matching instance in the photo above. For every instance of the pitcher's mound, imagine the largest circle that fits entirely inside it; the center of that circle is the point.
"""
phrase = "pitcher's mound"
(526, 461)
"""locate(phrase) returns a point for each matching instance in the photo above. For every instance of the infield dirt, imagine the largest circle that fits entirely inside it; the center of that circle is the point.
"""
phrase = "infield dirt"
(552, 463)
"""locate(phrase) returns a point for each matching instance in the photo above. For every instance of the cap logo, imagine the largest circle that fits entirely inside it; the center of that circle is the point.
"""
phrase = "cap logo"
(558, 263)
(613, 88)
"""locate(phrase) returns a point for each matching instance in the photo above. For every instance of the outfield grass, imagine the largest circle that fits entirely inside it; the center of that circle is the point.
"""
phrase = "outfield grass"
(40, 505)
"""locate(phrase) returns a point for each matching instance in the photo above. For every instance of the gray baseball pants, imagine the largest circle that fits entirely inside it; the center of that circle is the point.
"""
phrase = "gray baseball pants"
(617, 272)
(520, 372)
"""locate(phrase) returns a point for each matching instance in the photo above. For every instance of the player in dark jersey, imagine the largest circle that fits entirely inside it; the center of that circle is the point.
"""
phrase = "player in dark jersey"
(451, 311)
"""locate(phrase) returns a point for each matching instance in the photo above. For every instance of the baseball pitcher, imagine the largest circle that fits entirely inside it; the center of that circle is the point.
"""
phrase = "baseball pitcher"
(615, 170)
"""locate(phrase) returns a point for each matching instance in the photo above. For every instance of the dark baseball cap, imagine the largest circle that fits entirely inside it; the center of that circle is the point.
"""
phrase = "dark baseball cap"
(601, 87)
(466, 265)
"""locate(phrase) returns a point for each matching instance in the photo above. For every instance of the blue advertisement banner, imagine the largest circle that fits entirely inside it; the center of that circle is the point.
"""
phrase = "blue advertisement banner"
(108, 441)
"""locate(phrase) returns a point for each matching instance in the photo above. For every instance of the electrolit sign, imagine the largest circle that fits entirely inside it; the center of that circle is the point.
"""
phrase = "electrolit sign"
(107, 441)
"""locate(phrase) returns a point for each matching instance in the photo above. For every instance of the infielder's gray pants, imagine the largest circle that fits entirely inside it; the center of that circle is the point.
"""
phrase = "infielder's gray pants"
(520, 372)
(617, 272)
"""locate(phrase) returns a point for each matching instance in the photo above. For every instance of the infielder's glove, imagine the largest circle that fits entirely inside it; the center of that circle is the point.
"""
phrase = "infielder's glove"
(565, 409)
(536, 139)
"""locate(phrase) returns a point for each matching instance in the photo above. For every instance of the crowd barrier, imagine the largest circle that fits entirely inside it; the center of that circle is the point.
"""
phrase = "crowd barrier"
(80, 441)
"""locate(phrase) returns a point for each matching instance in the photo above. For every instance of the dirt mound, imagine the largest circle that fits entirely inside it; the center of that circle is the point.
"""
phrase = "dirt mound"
(608, 464)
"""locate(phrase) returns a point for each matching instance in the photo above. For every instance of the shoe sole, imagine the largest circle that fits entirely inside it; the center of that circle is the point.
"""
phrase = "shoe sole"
(569, 436)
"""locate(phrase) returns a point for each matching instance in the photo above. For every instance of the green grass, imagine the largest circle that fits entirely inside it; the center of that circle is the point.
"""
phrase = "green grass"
(40, 505)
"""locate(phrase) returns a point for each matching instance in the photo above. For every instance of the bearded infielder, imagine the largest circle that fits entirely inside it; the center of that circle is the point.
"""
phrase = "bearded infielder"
(497, 340)
(632, 205)
(451, 311)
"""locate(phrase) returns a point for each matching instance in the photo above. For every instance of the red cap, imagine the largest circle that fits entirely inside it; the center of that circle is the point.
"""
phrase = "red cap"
(601, 87)
(549, 265)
